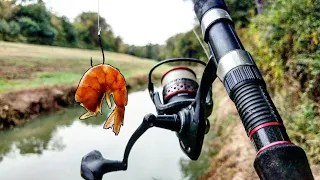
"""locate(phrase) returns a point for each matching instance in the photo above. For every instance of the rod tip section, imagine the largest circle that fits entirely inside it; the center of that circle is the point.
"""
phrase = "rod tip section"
(202, 6)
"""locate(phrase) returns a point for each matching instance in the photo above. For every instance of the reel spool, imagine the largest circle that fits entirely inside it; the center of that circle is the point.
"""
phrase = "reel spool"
(179, 83)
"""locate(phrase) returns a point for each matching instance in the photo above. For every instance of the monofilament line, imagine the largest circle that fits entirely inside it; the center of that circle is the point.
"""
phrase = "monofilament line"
(99, 31)
(205, 51)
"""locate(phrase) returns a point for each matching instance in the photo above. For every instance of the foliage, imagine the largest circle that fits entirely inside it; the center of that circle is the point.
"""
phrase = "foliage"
(7, 9)
(87, 24)
(33, 23)
(88, 20)
(185, 45)
(304, 128)
(302, 122)
(69, 30)
(66, 32)
(14, 29)
(282, 36)
(151, 51)
(180, 45)
(37, 12)
(306, 69)
(29, 27)
(4, 28)
(241, 11)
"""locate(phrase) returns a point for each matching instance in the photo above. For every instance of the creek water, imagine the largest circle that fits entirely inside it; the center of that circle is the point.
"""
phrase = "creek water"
(51, 147)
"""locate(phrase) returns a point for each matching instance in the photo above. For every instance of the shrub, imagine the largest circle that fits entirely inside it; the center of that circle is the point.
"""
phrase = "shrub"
(29, 27)
(14, 29)
(4, 29)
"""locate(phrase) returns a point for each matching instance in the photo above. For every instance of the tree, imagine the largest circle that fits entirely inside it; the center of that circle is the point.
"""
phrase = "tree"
(7, 9)
(37, 12)
(29, 28)
(89, 22)
(4, 29)
(38, 16)
(241, 11)
(66, 32)
(14, 29)
(69, 29)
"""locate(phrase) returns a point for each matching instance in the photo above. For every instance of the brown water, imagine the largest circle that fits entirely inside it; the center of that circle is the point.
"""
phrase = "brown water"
(51, 147)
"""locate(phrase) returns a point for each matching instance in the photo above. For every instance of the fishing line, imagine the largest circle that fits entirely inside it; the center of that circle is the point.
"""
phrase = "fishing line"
(205, 51)
(99, 30)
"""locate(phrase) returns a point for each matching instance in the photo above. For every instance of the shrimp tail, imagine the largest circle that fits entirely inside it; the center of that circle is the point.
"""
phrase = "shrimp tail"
(87, 115)
(115, 119)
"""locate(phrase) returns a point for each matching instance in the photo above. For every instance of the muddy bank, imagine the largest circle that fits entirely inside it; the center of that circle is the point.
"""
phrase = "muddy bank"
(17, 107)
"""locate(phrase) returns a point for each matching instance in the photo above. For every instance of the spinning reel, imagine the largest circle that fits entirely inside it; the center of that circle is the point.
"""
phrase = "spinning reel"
(184, 109)
(179, 92)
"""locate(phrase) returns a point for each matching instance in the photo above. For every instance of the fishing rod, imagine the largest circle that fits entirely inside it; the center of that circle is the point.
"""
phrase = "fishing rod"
(186, 104)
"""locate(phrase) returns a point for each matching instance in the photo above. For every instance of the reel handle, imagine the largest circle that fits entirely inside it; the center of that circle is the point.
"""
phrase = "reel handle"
(94, 166)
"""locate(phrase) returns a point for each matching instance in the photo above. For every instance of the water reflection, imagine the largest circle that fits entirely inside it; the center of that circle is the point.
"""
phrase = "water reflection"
(52, 147)
(36, 136)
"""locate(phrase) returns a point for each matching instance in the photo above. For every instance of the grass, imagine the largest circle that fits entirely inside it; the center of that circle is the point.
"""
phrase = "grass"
(302, 124)
(26, 66)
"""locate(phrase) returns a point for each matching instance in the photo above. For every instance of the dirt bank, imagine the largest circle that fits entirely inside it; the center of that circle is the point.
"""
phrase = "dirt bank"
(17, 107)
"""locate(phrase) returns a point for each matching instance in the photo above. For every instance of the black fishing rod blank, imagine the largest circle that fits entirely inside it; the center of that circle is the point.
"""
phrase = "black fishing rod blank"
(277, 157)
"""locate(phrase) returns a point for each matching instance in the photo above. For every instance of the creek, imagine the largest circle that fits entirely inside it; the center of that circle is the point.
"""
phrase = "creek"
(52, 146)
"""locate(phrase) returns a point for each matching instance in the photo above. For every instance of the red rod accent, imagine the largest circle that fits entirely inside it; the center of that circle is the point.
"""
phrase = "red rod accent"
(179, 91)
(264, 125)
(177, 68)
(273, 144)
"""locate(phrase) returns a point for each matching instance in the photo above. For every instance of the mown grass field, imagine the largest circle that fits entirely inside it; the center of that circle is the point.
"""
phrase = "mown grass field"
(25, 66)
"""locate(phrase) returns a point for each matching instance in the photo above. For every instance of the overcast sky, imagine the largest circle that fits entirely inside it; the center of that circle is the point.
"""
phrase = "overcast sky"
(138, 22)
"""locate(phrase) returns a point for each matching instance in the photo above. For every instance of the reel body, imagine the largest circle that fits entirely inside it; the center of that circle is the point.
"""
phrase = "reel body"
(180, 88)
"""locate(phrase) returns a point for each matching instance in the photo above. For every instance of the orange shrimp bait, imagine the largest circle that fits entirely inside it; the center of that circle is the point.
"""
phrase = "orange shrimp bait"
(103, 81)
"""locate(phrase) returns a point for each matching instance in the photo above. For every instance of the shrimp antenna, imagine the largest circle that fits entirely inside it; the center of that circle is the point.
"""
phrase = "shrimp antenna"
(91, 62)
(99, 30)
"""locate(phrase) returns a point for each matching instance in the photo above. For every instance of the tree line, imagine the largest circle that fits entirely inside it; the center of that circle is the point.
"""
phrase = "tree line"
(34, 23)
(187, 44)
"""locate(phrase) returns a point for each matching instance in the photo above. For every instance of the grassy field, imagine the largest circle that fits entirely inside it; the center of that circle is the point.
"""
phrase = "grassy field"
(26, 66)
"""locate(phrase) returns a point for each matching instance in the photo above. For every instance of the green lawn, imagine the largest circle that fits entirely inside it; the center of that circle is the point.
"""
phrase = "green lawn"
(24, 66)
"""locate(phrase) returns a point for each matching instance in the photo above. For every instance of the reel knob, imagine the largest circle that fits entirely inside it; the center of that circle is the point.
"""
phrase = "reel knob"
(93, 166)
